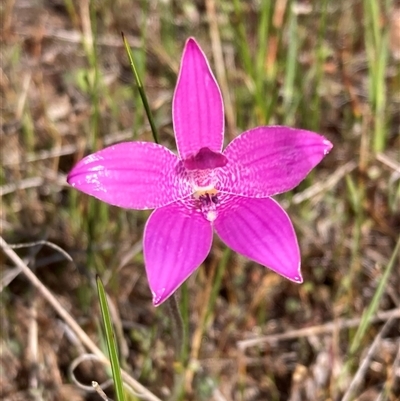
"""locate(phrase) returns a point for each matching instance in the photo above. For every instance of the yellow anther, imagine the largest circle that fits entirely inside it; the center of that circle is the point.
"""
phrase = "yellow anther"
(205, 191)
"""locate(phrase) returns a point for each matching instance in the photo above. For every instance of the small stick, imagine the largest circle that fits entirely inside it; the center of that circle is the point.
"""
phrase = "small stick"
(362, 370)
(317, 330)
(326, 185)
(387, 161)
(99, 391)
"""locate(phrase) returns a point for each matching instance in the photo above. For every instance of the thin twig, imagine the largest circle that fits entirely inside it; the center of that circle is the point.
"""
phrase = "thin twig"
(26, 82)
(76, 37)
(75, 363)
(10, 275)
(87, 34)
(99, 391)
(362, 370)
(26, 183)
(396, 367)
(41, 242)
(62, 312)
(326, 185)
(318, 330)
(387, 161)
(109, 139)
(33, 182)
(33, 345)
(7, 17)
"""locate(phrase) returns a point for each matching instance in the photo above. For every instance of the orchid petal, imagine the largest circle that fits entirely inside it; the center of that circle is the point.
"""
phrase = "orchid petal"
(197, 109)
(133, 175)
(176, 241)
(262, 231)
(265, 161)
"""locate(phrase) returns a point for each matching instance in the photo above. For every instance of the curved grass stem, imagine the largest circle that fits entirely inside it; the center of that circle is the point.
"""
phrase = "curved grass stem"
(141, 90)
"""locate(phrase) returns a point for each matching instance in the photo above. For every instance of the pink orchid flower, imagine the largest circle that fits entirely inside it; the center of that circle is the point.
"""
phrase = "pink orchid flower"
(205, 188)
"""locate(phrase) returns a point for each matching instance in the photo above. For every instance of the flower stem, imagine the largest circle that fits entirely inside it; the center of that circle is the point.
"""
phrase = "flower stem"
(141, 90)
(178, 329)
(180, 336)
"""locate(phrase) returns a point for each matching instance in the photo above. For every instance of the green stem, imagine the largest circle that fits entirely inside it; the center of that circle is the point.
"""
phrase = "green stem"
(111, 342)
(178, 329)
(141, 90)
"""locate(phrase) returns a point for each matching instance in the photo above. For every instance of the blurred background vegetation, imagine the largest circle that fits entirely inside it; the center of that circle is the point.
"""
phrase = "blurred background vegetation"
(67, 89)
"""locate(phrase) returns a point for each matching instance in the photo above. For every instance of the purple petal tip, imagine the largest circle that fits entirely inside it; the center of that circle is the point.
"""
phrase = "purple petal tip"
(298, 278)
(328, 146)
(158, 297)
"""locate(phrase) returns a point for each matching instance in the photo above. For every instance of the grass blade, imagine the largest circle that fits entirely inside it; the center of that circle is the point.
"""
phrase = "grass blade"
(141, 90)
(111, 343)
(289, 87)
(373, 307)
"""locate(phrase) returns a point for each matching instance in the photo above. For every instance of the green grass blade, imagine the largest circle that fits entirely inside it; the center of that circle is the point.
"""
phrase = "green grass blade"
(320, 55)
(243, 45)
(373, 307)
(141, 89)
(266, 8)
(217, 282)
(376, 43)
(111, 343)
(185, 311)
(289, 88)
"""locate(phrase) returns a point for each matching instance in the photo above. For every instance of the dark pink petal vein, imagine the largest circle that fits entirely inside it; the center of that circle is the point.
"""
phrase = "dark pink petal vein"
(197, 108)
(266, 161)
(262, 231)
(176, 242)
(133, 175)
